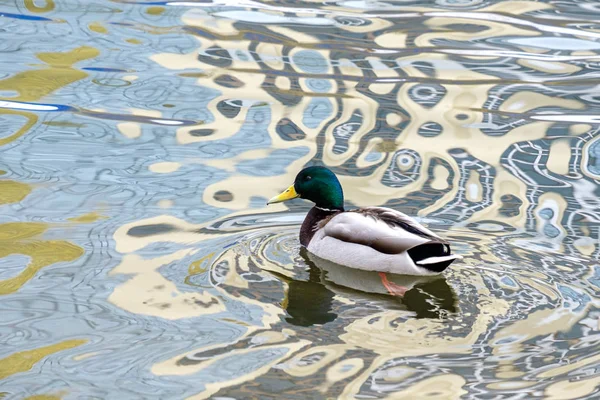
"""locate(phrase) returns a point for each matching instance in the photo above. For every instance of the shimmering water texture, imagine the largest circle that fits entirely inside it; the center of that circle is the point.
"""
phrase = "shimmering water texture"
(139, 143)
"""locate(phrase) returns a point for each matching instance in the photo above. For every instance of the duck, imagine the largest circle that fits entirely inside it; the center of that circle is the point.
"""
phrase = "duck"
(375, 238)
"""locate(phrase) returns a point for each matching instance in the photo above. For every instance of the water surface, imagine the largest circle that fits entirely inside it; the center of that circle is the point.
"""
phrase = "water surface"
(139, 143)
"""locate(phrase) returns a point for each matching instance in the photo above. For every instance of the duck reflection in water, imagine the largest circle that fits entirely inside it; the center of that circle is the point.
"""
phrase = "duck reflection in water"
(312, 302)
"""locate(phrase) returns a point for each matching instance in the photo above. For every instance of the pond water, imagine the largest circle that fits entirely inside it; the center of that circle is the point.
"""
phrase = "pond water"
(139, 142)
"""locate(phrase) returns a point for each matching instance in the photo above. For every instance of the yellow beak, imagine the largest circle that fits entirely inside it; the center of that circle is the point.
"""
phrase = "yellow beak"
(288, 194)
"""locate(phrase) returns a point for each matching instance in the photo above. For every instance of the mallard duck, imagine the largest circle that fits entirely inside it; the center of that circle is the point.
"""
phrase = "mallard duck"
(371, 238)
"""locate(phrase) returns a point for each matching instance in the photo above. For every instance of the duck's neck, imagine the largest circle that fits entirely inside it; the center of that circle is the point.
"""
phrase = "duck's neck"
(309, 226)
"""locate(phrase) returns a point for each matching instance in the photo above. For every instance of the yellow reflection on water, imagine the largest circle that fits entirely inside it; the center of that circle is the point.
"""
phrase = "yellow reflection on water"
(31, 119)
(35, 7)
(43, 397)
(155, 10)
(58, 72)
(32, 85)
(88, 218)
(13, 192)
(20, 238)
(25, 360)
(98, 27)
(64, 124)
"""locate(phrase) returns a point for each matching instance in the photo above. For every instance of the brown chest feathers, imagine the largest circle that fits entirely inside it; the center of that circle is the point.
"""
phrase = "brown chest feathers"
(315, 219)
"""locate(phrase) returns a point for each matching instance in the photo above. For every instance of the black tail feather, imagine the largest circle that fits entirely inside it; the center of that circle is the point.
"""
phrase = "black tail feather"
(426, 250)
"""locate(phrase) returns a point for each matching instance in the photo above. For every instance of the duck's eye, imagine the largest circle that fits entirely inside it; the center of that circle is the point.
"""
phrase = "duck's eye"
(308, 178)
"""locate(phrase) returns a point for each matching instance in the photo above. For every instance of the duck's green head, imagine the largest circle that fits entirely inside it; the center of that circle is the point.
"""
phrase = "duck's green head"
(317, 184)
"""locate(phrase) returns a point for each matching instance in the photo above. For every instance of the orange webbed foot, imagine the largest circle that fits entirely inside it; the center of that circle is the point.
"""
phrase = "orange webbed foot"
(392, 288)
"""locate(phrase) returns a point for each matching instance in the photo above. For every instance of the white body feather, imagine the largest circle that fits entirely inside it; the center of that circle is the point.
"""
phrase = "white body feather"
(367, 229)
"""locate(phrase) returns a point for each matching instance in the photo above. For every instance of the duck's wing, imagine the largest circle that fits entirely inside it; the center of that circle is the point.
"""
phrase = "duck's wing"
(383, 229)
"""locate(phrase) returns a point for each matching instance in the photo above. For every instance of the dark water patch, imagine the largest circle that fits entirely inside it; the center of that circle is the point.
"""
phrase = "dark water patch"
(150, 230)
